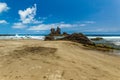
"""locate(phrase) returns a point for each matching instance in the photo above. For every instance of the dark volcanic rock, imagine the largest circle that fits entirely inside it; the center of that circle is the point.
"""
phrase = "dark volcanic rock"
(78, 37)
(47, 38)
(65, 34)
(54, 32)
(97, 39)
(58, 31)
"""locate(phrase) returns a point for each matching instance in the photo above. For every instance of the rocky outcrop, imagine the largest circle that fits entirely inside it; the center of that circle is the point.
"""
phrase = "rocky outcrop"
(75, 37)
(54, 32)
(65, 34)
(49, 38)
(97, 39)
(58, 31)
(78, 37)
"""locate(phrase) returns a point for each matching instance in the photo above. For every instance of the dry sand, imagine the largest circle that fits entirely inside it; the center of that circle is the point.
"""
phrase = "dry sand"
(55, 60)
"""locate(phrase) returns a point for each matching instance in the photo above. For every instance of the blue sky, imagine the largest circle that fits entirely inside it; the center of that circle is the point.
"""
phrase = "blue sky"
(38, 16)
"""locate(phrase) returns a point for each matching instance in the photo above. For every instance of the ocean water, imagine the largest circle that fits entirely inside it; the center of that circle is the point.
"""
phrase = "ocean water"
(112, 38)
(24, 36)
(108, 37)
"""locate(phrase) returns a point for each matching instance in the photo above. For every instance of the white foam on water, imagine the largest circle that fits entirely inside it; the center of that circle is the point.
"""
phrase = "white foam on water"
(37, 37)
(23, 37)
(117, 43)
(114, 39)
(105, 37)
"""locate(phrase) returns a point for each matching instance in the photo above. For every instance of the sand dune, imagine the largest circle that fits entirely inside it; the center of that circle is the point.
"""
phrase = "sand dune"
(55, 60)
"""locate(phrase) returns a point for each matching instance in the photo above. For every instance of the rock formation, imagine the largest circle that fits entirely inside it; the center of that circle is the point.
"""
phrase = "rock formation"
(49, 38)
(75, 37)
(58, 31)
(54, 32)
(78, 37)
(65, 34)
(97, 39)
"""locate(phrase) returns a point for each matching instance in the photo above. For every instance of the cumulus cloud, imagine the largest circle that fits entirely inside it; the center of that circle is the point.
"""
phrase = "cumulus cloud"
(19, 25)
(3, 7)
(28, 15)
(3, 22)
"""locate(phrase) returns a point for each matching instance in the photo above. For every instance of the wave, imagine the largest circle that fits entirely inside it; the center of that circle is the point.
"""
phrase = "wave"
(23, 37)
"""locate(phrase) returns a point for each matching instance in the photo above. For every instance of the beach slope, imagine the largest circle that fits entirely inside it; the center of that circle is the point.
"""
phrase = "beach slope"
(55, 60)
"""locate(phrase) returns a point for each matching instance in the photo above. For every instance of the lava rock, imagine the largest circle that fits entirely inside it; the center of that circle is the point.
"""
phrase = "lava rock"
(49, 38)
(97, 39)
(78, 37)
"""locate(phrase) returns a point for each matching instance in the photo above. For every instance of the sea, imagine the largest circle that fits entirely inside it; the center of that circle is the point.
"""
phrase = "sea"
(107, 38)
(111, 39)
(22, 36)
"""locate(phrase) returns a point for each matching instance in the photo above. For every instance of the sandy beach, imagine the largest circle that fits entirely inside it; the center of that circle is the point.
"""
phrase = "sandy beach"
(55, 60)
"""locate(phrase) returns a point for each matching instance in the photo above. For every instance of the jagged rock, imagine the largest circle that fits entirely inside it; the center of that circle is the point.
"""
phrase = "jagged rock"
(97, 39)
(78, 37)
(56, 32)
(52, 32)
(65, 34)
(47, 38)
(75, 37)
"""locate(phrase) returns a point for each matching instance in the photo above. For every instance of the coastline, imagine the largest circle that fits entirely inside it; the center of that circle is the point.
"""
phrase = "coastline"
(108, 41)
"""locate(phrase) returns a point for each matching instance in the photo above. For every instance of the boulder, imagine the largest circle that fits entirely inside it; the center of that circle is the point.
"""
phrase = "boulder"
(78, 37)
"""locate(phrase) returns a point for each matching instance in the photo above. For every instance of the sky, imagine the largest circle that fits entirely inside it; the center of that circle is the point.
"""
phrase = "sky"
(38, 16)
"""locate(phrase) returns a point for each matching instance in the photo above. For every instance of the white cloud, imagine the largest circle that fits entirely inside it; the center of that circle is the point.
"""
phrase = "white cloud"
(54, 25)
(19, 26)
(103, 29)
(3, 22)
(82, 25)
(3, 7)
(90, 22)
(28, 15)
(40, 27)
